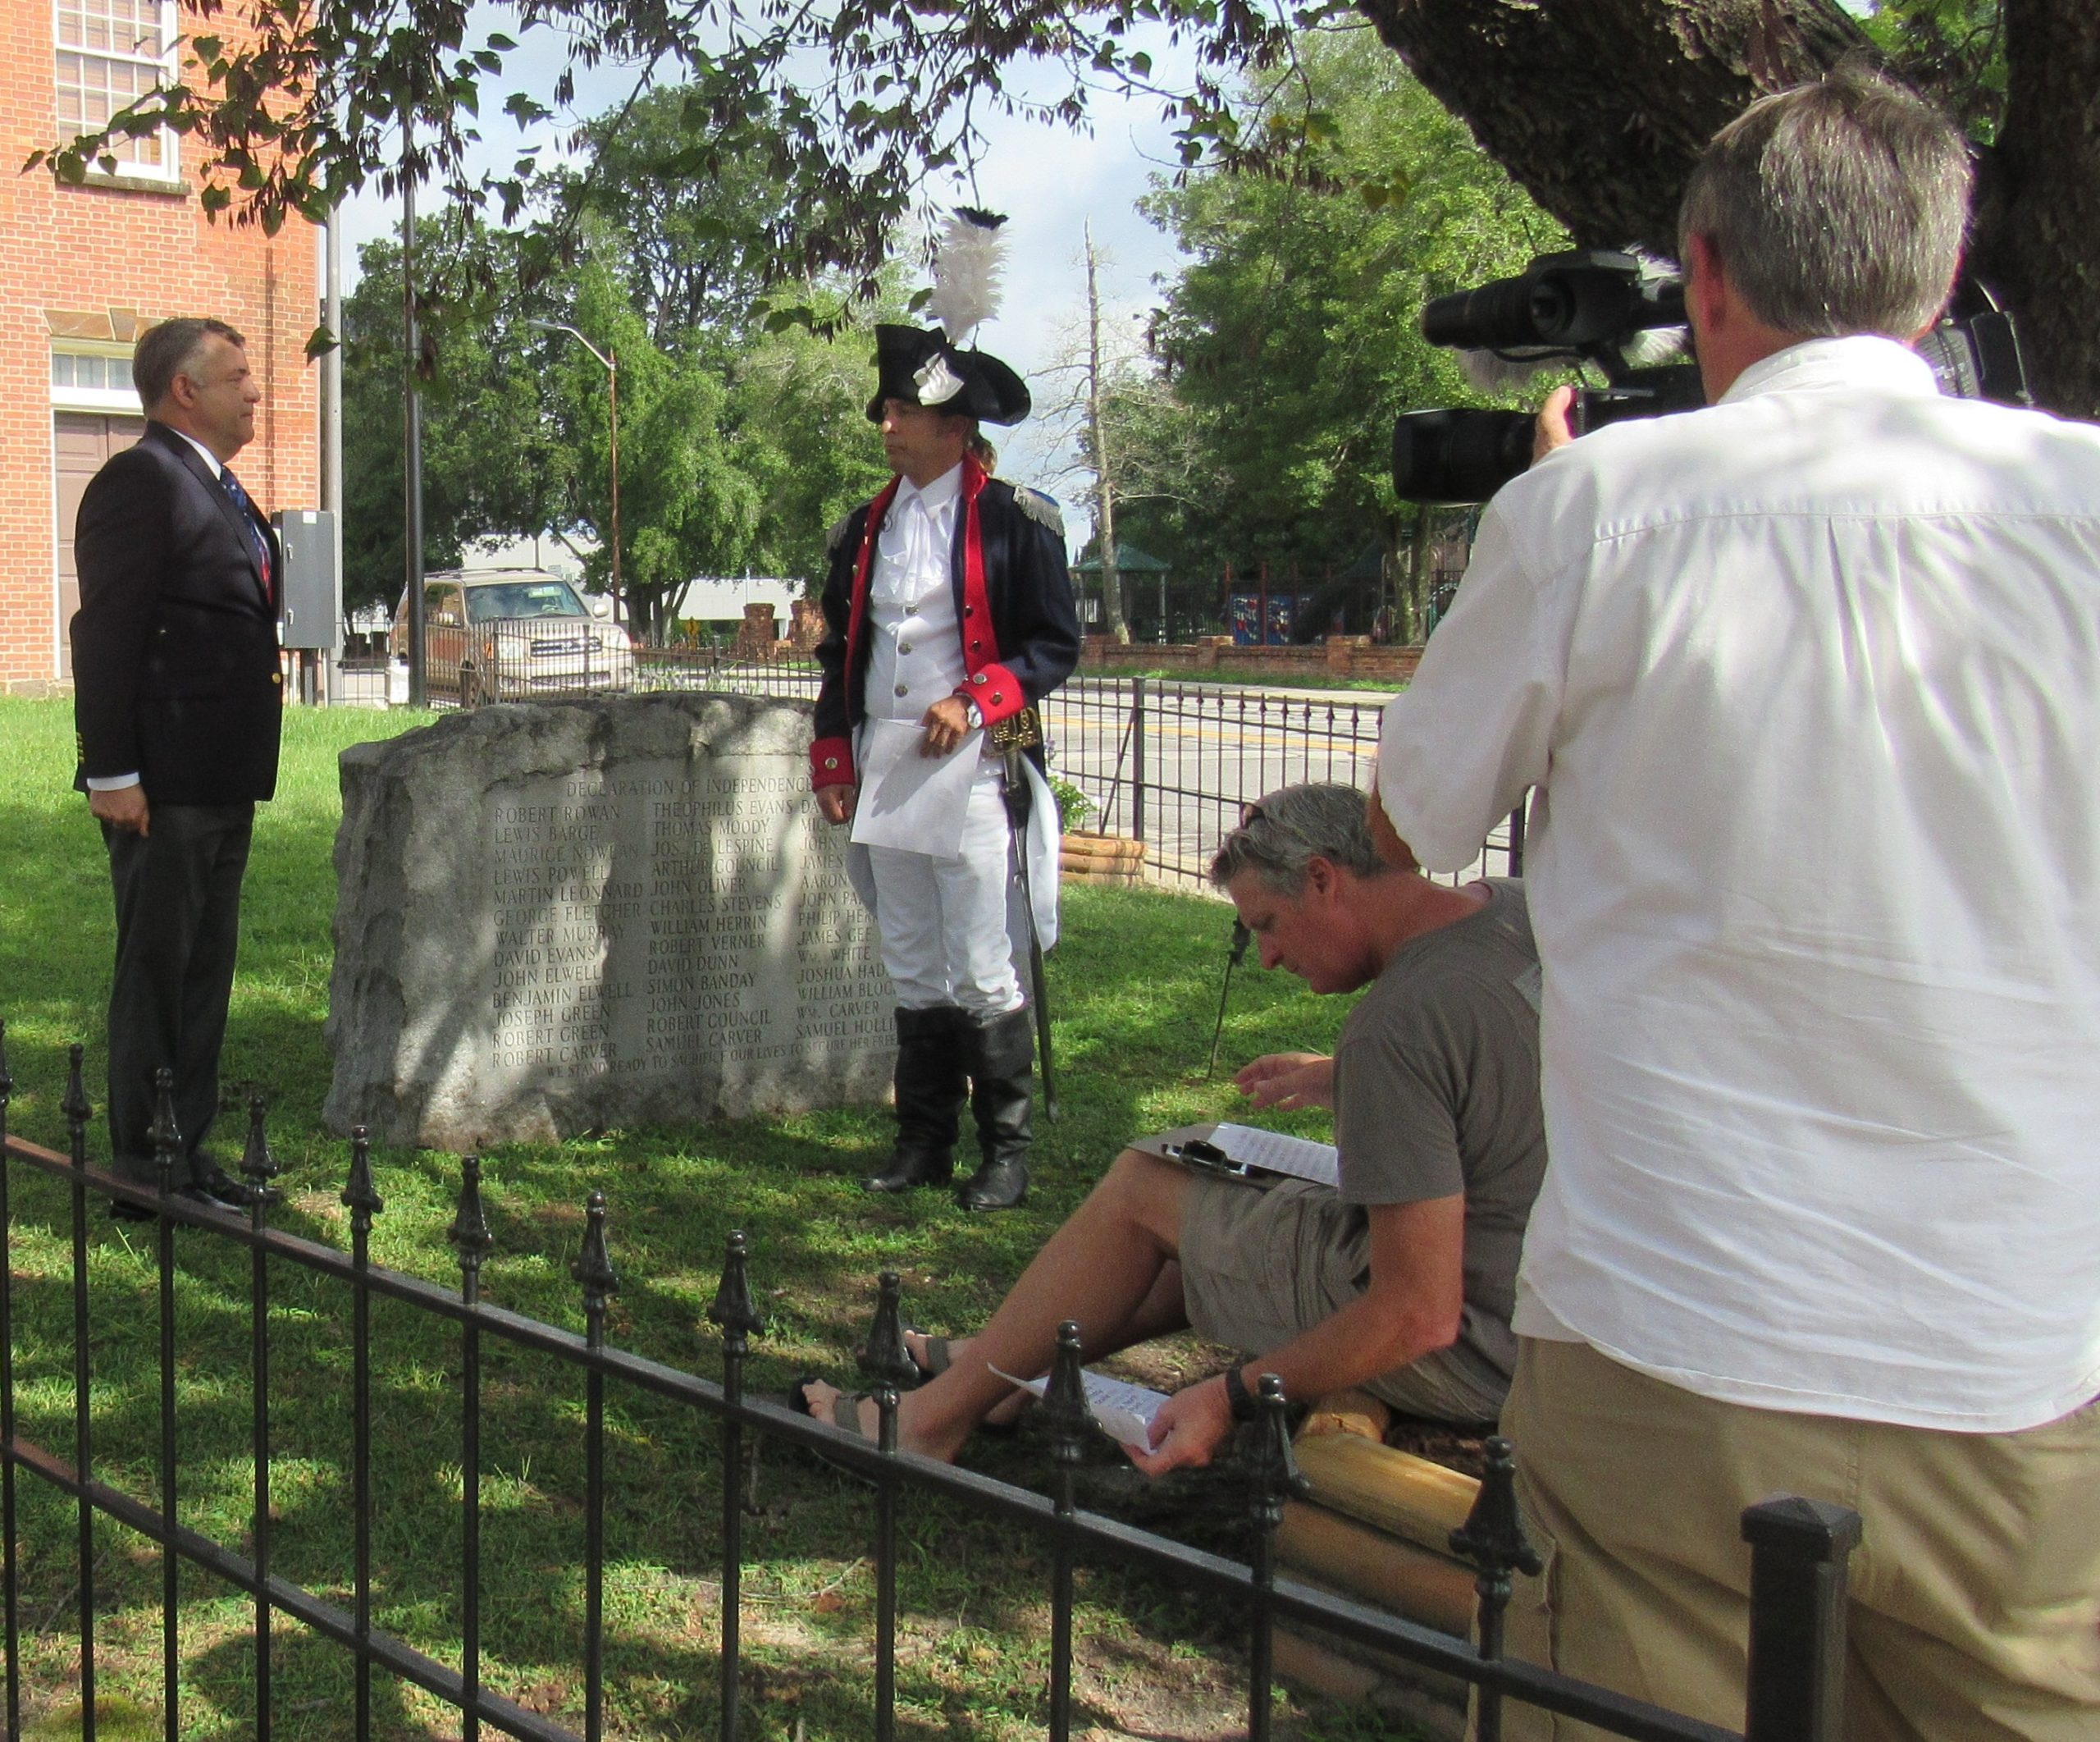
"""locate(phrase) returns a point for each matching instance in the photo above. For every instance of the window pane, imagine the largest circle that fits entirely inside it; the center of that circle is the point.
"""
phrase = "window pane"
(131, 27)
(90, 90)
(123, 50)
(61, 371)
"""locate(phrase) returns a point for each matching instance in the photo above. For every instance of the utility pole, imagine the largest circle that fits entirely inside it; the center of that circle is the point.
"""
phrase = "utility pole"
(608, 360)
(1104, 479)
(412, 413)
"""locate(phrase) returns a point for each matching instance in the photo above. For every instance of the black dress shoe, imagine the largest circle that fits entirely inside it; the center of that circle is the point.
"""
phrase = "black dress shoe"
(212, 1182)
(909, 1169)
(122, 1209)
(997, 1185)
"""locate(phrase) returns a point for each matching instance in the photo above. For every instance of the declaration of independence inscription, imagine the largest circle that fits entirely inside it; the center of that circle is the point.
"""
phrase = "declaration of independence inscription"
(619, 911)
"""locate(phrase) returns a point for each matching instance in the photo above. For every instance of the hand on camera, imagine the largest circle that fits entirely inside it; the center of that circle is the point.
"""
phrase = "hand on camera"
(1556, 423)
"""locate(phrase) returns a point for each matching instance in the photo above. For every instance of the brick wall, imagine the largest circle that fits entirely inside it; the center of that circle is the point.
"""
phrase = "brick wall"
(118, 256)
(1215, 656)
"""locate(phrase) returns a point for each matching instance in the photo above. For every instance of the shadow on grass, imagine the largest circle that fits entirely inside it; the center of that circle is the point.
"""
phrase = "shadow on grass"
(1134, 986)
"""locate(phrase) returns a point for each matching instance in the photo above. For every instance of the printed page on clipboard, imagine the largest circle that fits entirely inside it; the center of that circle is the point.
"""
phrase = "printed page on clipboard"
(1121, 1410)
(1245, 1152)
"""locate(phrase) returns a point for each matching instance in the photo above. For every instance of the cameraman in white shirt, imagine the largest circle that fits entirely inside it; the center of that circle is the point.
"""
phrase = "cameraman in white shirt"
(1808, 686)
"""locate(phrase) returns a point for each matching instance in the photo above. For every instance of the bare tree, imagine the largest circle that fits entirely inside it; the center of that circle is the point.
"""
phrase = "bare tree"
(1104, 469)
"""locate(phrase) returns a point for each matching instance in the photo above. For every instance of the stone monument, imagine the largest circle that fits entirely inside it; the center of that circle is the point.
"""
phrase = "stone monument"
(556, 917)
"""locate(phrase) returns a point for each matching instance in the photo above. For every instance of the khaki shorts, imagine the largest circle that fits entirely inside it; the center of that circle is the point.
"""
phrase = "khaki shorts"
(1974, 1609)
(1261, 1267)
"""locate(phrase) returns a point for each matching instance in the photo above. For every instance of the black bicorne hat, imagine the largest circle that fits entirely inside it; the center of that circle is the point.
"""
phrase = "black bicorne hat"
(917, 365)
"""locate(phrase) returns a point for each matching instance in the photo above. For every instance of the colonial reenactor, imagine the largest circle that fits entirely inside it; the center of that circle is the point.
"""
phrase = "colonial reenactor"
(949, 614)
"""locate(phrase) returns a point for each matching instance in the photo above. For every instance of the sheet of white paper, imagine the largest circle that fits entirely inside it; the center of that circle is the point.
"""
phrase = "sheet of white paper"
(1121, 1410)
(1299, 1157)
(910, 801)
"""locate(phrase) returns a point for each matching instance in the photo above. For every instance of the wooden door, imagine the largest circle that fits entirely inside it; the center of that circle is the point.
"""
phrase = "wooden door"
(80, 442)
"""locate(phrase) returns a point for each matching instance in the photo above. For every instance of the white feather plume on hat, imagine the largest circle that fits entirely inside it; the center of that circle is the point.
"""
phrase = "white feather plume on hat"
(966, 267)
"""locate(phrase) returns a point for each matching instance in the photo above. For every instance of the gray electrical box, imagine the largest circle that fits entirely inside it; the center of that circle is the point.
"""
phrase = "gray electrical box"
(311, 591)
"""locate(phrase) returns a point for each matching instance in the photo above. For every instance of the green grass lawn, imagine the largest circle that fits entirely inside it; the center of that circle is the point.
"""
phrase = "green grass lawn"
(1135, 986)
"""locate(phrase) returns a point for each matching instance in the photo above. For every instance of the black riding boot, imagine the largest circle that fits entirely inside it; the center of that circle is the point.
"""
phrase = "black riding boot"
(1002, 1072)
(931, 1059)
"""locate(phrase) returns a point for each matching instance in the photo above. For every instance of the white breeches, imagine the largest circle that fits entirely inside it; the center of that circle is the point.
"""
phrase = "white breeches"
(944, 921)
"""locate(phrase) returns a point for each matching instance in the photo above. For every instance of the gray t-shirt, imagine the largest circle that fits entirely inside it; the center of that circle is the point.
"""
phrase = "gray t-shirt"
(1437, 1092)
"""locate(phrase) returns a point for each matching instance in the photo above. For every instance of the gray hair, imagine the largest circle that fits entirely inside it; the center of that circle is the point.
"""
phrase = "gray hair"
(1279, 838)
(1837, 207)
(169, 350)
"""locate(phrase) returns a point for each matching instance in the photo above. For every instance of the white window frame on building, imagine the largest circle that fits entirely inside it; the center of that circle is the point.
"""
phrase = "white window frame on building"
(109, 53)
(89, 375)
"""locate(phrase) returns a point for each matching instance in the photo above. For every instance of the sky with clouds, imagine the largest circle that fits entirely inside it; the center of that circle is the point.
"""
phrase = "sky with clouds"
(1050, 182)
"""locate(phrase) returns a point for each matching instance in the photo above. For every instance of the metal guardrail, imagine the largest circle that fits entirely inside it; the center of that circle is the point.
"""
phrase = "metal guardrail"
(1798, 1548)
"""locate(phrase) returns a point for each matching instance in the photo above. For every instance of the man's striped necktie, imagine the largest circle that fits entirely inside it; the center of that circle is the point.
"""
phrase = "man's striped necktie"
(231, 485)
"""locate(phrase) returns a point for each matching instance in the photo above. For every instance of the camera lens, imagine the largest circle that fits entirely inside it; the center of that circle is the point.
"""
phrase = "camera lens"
(1495, 317)
(1449, 455)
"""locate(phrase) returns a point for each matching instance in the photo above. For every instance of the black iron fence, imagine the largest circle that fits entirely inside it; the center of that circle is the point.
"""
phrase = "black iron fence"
(1174, 765)
(1170, 764)
(704, 668)
(1167, 763)
(1799, 1549)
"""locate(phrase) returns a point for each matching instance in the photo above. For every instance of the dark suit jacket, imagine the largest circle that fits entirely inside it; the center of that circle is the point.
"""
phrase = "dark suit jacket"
(175, 646)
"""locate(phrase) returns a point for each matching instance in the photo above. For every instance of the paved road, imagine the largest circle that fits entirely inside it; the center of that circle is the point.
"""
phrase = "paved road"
(1208, 751)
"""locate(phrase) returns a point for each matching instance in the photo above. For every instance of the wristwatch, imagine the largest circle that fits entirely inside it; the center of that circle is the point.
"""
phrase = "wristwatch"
(1238, 1397)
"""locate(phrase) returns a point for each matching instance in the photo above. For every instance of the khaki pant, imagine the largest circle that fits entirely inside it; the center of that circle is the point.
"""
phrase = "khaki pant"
(1974, 1608)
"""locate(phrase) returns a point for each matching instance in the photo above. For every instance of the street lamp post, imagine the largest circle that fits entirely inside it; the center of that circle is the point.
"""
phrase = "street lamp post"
(412, 448)
(609, 358)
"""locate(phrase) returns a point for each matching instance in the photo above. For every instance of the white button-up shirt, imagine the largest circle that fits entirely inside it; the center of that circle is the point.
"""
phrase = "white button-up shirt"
(916, 657)
(1809, 684)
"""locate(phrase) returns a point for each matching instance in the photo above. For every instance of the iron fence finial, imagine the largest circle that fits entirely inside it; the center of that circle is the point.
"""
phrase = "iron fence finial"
(1064, 1401)
(733, 1310)
(1492, 1541)
(470, 1226)
(1272, 1471)
(594, 1268)
(164, 1134)
(360, 1197)
(883, 1356)
(259, 1167)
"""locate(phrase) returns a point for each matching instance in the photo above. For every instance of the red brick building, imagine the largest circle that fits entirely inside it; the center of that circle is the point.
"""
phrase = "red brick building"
(84, 271)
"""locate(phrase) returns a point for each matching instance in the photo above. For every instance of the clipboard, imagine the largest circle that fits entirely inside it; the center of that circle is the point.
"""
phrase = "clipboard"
(1245, 1153)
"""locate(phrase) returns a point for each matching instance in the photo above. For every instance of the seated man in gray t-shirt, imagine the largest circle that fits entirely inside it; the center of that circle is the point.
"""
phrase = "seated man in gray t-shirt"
(1400, 1283)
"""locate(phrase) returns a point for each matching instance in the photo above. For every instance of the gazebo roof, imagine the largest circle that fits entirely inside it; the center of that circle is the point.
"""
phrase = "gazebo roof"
(1130, 560)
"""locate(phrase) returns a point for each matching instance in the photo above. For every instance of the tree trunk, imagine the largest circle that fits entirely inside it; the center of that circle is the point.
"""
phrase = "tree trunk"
(1104, 476)
(2038, 221)
(1417, 563)
(1600, 108)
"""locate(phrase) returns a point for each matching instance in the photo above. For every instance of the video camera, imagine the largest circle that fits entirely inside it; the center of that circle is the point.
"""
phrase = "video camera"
(1591, 306)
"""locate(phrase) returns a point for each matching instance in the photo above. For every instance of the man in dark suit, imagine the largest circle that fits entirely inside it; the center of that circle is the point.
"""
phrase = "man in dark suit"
(177, 701)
